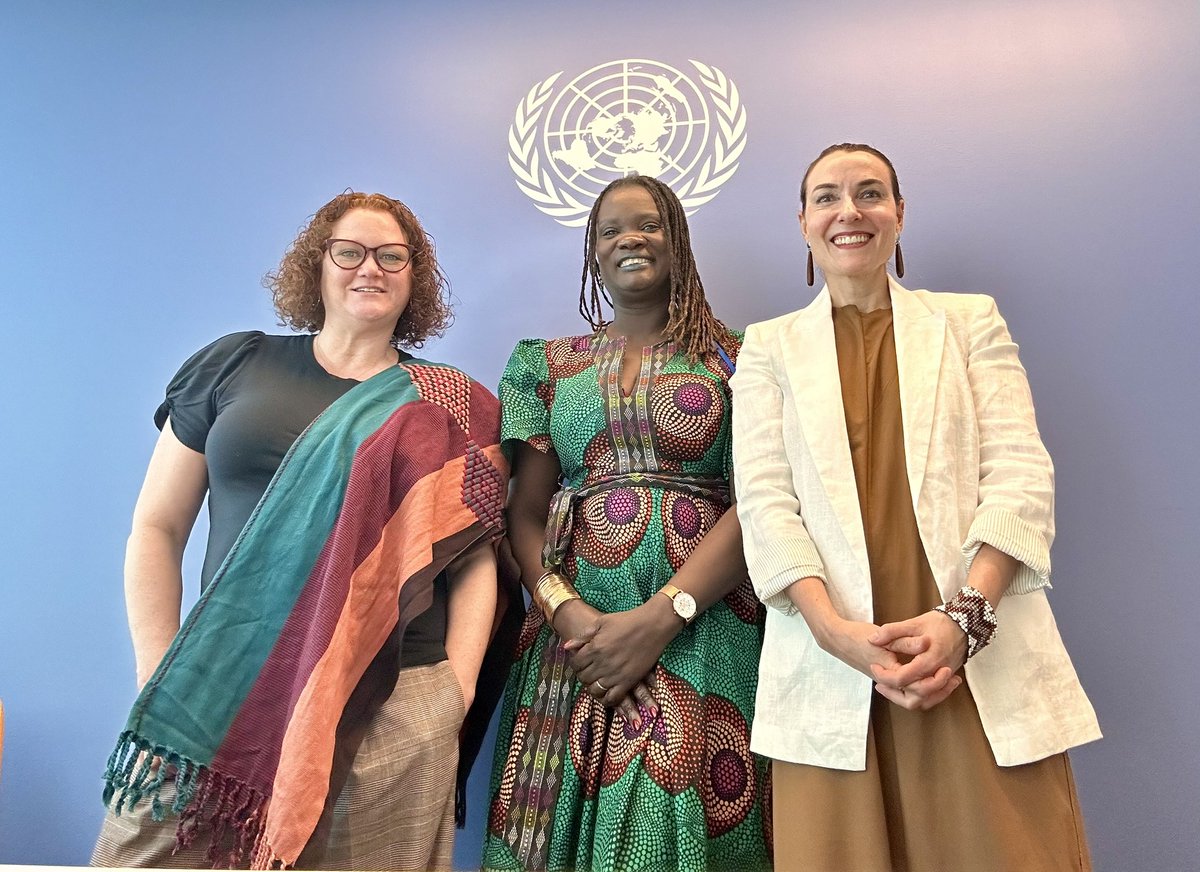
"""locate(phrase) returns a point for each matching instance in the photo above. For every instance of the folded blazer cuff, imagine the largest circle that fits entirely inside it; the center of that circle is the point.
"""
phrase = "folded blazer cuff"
(1008, 532)
(776, 567)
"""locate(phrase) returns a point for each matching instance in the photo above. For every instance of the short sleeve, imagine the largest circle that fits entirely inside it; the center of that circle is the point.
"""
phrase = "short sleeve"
(193, 395)
(526, 395)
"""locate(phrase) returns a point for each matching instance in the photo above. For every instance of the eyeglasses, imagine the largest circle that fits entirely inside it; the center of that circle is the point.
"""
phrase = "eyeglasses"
(349, 254)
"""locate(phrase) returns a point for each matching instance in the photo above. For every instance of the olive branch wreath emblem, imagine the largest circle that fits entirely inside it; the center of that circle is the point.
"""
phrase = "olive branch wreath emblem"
(534, 179)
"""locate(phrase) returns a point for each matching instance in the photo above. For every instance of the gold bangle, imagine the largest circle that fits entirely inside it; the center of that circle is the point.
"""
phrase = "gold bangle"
(550, 592)
(556, 599)
(543, 586)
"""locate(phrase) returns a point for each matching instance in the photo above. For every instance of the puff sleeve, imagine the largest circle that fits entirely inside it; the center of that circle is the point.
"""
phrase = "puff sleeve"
(194, 394)
(526, 395)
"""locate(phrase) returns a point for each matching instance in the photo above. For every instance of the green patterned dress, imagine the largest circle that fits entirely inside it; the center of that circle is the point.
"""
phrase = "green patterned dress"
(574, 785)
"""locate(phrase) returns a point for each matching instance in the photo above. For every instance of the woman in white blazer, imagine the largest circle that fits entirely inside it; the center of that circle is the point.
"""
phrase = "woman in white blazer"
(897, 509)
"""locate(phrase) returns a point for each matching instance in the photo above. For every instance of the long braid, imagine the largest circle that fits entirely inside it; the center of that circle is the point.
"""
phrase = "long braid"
(690, 320)
(589, 298)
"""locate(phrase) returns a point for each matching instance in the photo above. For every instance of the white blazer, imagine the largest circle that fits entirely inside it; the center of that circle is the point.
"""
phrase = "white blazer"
(978, 473)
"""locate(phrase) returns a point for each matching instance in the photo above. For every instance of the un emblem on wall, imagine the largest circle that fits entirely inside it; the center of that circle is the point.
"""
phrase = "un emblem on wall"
(624, 117)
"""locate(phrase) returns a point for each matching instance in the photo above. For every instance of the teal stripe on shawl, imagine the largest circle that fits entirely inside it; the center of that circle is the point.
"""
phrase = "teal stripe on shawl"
(211, 678)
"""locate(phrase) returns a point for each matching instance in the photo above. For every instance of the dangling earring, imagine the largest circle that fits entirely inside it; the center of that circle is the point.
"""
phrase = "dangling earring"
(808, 273)
(899, 260)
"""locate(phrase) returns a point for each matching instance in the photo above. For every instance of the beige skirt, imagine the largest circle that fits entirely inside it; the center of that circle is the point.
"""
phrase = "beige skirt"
(396, 810)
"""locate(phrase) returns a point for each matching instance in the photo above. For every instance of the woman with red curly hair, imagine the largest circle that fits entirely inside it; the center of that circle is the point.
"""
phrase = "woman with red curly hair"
(308, 710)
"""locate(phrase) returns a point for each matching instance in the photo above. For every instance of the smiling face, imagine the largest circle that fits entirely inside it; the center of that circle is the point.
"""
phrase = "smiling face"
(632, 248)
(365, 295)
(851, 218)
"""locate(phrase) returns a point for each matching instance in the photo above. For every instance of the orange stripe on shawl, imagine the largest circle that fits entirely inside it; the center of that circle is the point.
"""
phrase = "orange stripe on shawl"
(366, 621)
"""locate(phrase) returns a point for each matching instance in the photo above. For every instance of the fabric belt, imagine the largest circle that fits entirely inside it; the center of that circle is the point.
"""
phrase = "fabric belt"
(560, 521)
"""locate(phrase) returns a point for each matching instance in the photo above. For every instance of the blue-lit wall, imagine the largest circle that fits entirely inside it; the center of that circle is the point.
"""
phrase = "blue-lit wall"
(157, 158)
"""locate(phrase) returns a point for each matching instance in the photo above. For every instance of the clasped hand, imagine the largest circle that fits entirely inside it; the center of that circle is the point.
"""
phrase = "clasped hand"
(937, 648)
(613, 655)
(914, 662)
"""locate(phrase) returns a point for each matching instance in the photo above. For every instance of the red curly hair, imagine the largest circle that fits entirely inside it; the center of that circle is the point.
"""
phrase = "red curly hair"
(296, 286)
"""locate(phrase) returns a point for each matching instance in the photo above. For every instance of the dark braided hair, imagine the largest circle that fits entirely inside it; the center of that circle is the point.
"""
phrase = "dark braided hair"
(690, 322)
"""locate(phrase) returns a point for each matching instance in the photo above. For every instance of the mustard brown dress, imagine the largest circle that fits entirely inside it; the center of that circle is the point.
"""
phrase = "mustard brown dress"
(932, 796)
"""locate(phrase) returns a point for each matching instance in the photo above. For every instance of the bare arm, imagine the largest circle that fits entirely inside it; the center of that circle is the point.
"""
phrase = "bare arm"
(849, 641)
(171, 496)
(470, 607)
(534, 480)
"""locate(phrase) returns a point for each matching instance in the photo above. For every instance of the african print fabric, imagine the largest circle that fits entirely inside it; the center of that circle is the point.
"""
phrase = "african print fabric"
(575, 786)
(338, 557)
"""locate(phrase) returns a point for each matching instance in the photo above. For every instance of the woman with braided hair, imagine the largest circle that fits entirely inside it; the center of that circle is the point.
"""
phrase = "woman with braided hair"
(624, 738)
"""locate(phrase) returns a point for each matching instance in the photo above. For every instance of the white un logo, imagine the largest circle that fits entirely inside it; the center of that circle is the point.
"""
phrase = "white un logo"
(623, 117)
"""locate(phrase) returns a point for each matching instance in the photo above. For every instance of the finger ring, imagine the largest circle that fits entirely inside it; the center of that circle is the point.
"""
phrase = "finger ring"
(603, 689)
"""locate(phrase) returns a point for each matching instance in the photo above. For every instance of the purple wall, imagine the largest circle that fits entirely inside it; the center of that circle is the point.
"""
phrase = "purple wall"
(156, 160)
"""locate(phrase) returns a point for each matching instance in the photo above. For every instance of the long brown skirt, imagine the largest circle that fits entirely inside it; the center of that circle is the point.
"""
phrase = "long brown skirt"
(396, 810)
(931, 797)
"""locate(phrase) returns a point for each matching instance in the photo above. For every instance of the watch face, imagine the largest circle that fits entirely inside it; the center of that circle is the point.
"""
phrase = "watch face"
(685, 605)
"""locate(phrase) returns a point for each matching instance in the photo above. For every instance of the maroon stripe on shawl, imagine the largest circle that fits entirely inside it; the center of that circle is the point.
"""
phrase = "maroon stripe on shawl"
(251, 748)
(485, 415)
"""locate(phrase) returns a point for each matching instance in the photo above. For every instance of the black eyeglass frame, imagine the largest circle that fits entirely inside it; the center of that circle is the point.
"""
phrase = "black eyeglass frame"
(373, 252)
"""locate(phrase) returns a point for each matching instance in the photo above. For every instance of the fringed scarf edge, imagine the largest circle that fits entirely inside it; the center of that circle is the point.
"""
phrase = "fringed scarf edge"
(232, 812)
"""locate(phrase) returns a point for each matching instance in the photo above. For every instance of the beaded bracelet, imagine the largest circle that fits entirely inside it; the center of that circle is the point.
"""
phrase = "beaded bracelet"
(974, 615)
(550, 592)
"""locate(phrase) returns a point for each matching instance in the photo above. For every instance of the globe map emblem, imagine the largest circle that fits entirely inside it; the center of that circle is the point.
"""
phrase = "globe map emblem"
(630, 116)
(620, 118)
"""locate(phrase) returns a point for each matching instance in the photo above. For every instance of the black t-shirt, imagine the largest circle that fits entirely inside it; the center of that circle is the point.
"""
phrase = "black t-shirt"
(241, 402)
